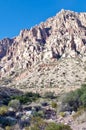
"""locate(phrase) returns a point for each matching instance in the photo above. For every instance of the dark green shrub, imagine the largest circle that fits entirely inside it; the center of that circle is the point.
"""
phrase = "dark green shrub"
(27, 97)
(83, 99)
(7, 121)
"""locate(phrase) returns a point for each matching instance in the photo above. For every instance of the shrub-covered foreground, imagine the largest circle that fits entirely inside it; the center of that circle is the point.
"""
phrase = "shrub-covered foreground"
(39, 124)
(74, 99)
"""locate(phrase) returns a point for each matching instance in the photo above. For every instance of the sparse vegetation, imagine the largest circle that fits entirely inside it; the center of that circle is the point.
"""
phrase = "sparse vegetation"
(80, 115)
(27, 97)
(35, 120)
(53, 126)
(49, 95)
(39, 124)
(74, 99)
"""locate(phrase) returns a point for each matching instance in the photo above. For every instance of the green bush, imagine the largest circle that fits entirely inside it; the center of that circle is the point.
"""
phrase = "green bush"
(62, 114)
(70, 102)
(27, 97)
(3, 110)
(83, 99)
(54, 105)
(37, 123)
(14, 104)
(38, 114)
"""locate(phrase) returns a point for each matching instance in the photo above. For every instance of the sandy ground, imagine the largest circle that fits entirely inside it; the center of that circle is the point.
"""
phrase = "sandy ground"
(79, 126)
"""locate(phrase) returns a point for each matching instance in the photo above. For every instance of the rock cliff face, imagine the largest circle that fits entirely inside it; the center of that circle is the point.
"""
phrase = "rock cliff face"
(58, 44)
(4, 45)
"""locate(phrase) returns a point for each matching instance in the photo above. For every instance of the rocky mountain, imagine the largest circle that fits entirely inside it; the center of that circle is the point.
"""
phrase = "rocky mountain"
(51, 54)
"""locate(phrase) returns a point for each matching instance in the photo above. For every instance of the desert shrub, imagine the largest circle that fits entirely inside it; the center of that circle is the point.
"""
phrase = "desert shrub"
(83, 99)
(8, 128)
(3, 110)
(14, 104)
(27, 128)
(53, 126)
(38, 114)
(62, 114)
(74, 99)
(54, 105)
(27, 97)
(37, 123)
(41, 114)
(80, 115)
(70, 102)
(83, 88)
(81, 118)
(49, 95)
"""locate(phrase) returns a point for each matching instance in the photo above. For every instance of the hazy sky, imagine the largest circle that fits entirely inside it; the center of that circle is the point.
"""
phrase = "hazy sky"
(19, 14)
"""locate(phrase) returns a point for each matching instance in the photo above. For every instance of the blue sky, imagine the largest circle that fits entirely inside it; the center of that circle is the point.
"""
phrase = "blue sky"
(19, 14)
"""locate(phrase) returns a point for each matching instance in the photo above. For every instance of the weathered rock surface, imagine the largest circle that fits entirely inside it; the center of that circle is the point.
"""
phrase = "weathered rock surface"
(50, 54)
(4, 45)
